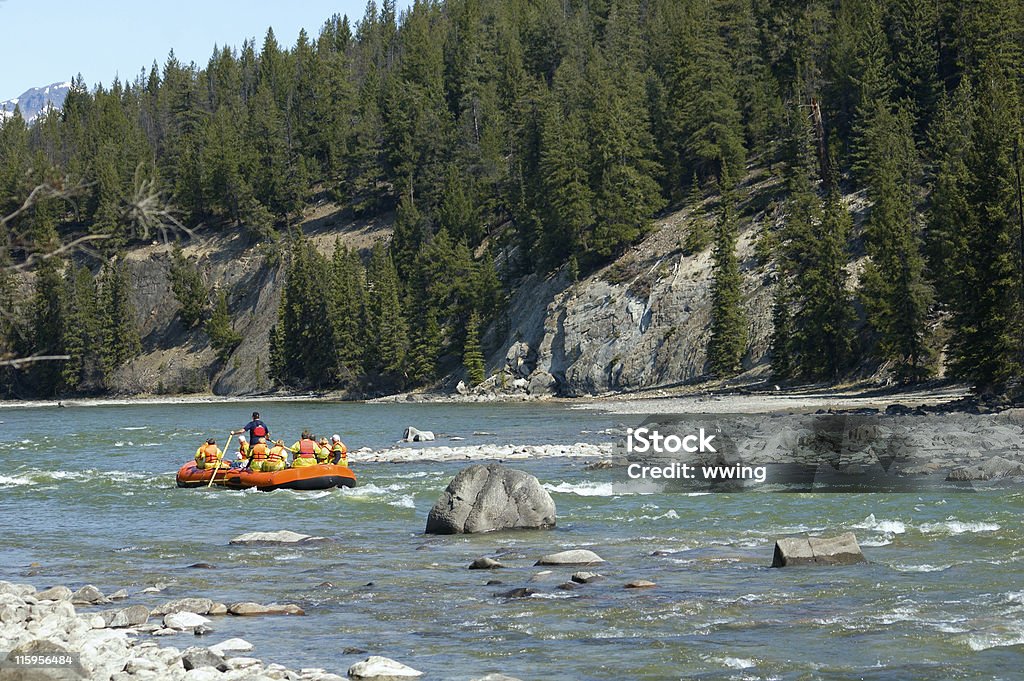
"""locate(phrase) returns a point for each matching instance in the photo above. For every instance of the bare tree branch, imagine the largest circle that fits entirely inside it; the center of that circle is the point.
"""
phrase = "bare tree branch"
(19, 362)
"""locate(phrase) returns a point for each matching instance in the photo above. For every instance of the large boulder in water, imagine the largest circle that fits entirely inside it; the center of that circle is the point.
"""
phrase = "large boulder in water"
(839, 550)
(486, 498)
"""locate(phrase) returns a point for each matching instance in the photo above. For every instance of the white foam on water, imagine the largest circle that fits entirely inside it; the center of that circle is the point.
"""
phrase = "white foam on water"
(288, 556)
(921, 568)
(887, 526)
(16, 481)
(583, 489)
(954, 527)
(408, 501)
(738, 663)
(874, 542)
(979, 642)
(135, 428)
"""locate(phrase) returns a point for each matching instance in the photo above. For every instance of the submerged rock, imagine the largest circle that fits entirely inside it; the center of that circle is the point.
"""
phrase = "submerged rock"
(484, 498)
(278, 537)
(381, 669)
(522, 592)
(486, 563)
(994, 468)
(248, 608)
(840, 550)
(572, 557)
(586, 577)
(640, 584)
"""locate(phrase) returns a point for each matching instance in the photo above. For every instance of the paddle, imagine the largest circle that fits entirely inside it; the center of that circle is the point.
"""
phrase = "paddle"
(219, 462)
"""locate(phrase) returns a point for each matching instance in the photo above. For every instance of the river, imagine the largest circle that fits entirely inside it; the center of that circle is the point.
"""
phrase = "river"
(88, 495)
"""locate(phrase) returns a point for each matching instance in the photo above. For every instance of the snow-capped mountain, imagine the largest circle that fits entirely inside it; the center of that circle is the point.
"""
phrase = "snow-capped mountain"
(36, 100)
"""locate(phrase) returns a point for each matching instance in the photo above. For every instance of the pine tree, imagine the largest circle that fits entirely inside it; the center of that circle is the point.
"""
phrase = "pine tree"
(893, 288)
(220, 328)
(386, 330)
(48, 325)
(82, 333)
(728, 320)
(985, 345)
(121, 340)
(472, 356)
(188, 288)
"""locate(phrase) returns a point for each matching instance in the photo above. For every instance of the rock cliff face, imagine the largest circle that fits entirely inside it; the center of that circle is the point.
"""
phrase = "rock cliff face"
(642, 321)
(177, 359)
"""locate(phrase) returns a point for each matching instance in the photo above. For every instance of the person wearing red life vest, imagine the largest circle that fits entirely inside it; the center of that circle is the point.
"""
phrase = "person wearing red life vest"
(255, 428)
(306, 450)
(259, 453)
(277, 458)
(208, 455)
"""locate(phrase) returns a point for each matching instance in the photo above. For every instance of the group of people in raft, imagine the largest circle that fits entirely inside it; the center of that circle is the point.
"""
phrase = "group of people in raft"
(258, 453)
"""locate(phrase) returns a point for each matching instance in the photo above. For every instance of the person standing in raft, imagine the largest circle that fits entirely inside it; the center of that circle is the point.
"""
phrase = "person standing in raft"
(277, 458)
(208, 455)
(255, 428)
(306, 450)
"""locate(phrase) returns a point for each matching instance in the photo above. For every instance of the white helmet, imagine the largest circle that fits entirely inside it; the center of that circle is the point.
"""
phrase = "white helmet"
(335, 438)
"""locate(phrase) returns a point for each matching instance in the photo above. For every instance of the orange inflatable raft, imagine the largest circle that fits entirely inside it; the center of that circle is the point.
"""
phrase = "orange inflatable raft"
(321, 476)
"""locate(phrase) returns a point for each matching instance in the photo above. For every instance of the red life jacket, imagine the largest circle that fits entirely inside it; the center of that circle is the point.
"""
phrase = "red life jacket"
(259, 431)
(259, 452)
(307, 449)
(210, 453)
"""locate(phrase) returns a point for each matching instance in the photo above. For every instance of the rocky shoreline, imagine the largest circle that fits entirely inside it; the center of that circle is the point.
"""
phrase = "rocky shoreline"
(49, 639)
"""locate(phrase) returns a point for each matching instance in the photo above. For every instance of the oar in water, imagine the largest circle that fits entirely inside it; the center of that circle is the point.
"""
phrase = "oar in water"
(219, 461)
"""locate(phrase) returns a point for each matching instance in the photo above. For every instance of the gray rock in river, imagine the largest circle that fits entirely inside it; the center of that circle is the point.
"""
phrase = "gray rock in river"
(249, 609)
(994, 468)
(200, 606)
(573, 557)
(380, 668)
(278, 537)
(492, 497)
(839, 550)
(486, 563)
(43, 647)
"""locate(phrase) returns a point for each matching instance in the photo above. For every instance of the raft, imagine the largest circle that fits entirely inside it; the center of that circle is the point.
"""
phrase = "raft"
(320, 476)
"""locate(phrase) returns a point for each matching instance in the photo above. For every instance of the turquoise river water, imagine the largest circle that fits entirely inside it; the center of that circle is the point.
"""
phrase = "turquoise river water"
(88, 496)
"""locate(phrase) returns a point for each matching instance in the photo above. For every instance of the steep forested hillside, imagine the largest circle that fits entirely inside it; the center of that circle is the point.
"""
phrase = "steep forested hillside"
(508, 138)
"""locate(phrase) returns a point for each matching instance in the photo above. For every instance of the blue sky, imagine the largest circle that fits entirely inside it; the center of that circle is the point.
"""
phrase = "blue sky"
(49, 41)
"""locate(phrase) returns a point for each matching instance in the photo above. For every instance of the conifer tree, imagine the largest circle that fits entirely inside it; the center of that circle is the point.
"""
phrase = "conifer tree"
(728, 321)
(387, 335)
(121, 340)
(188, 288)
(82, 333)
(893, 287)
(220, 328)
(472, 356)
